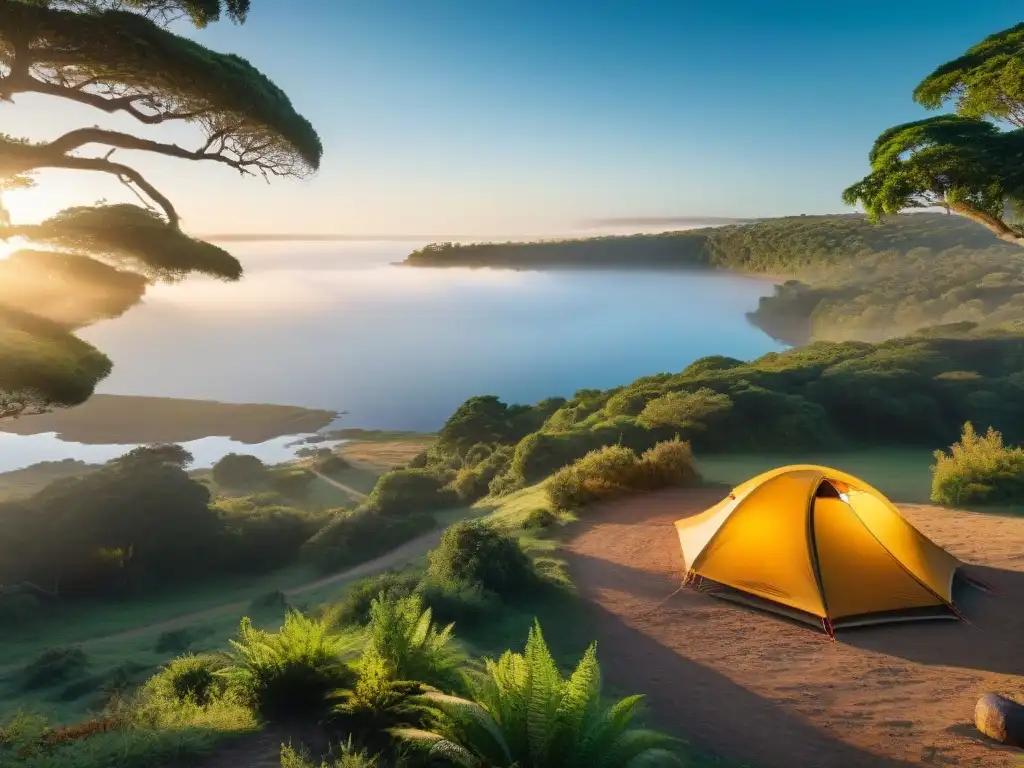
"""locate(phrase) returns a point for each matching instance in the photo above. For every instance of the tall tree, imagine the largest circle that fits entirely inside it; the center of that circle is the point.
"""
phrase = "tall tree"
(119, 57)
(970, 162)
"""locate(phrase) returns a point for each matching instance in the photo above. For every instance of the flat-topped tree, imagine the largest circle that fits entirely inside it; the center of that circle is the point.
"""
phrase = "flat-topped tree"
(970, 162)
(120, 57)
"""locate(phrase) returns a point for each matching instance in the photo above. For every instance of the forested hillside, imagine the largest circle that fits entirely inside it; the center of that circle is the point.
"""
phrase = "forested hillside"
(787, 246)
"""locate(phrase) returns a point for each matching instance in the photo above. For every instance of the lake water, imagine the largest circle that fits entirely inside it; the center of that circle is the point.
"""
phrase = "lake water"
(338, 326)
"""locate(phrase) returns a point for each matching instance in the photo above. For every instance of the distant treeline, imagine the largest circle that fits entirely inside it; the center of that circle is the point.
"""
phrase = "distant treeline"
(784, 246)
(882, 295)
(852, 280)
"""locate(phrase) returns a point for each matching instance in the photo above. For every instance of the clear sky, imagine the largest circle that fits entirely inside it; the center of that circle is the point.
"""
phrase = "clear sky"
(494, 116)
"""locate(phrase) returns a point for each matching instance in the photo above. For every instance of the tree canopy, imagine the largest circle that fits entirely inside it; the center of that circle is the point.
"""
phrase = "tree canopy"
(120, 57)
(969, 162)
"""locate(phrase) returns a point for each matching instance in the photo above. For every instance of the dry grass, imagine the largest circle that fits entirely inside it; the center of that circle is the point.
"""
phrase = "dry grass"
(382, 455)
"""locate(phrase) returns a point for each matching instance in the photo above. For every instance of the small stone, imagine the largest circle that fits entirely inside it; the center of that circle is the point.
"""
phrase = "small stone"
(1000, 718)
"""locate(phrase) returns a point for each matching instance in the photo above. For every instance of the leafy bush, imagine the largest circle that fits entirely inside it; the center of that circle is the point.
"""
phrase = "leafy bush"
(616, 471)
(239, 470)
(350, 758)
(355, 607)
(979, 470)
(409, 491)
(289, 673)
(472, 552)
(376, 704)
(52, 667)
(403, 640)
(360, 535)
(259, 539)
(669, 463)
(330, 463)
(191, 678)
(684, 410)
(524, 713)
(504, 484)
(454, 600)
(291, 481)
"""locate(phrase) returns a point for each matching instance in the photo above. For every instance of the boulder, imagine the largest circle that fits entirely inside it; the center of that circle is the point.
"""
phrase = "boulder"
(1000, 718)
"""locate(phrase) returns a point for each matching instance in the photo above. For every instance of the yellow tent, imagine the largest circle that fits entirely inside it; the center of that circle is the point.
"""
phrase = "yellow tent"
(818, 545)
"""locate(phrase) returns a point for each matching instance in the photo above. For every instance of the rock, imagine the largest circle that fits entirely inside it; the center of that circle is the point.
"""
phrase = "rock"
(1000, 718)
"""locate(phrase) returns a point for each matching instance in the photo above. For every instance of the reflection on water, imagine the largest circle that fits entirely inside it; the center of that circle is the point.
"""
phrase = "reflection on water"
(17, 451)
(338, 326)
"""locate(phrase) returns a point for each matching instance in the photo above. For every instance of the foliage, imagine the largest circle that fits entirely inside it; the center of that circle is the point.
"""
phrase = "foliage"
(616, 471)
(258, 538)
(350, 758)
(239, 470)
(961, 161)
(406, 644)
(474, 481)
(289, 673)
(486, 420)
(355, 536)
(686, 410)
(190, 678)
(770, 246)
(137, 522)
(149, 730)
(377, 703)
(474, 553)
(409, 491)
(119, 57)
(355, 607)
(523, 713)
(327, 462)
(979, 469)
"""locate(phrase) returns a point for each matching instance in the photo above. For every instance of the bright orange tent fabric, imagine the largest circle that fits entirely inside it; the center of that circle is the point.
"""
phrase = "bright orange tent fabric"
(819, 545)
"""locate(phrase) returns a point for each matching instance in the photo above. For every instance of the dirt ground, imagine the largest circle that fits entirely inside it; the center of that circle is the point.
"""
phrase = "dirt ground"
(755, 687)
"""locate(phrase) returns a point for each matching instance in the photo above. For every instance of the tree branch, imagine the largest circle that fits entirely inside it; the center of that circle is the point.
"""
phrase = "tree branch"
(1000, 228)
(22, 82)
(102, 165)
(79, 138)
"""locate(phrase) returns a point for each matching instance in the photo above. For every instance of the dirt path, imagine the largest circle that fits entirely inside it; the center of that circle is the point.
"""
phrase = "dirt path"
(401, 554)
(752, 686)
(347, 489)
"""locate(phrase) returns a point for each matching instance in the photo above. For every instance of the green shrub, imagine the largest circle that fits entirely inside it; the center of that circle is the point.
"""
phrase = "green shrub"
(523, 712)
(52, 667)
(350, 757)
(377, 704)
(469, 485)
(403, 639)
(615, 471)
(472, 552)
(504, 484)
(541, 517)
(410, 491)
(604, 473)
(289, 673)
(291, 481)
(361, 535)
(190, 678)
(669, 463)
(979, 470)
(457, 601)
(539, 454)
(239, 470)
(259, 539)
(681, 410)
(355, 607)
(330, 463)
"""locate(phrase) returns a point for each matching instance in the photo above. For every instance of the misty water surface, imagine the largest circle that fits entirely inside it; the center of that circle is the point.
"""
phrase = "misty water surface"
(337, 326)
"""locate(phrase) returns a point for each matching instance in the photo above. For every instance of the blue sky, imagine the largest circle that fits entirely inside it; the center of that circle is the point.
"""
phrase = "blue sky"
(476, 117)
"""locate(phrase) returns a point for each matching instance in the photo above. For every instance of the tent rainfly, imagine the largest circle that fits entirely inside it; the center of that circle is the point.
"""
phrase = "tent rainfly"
(821, 546)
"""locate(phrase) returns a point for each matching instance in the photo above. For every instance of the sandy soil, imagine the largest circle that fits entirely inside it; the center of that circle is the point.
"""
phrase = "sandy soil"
(755, 687)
